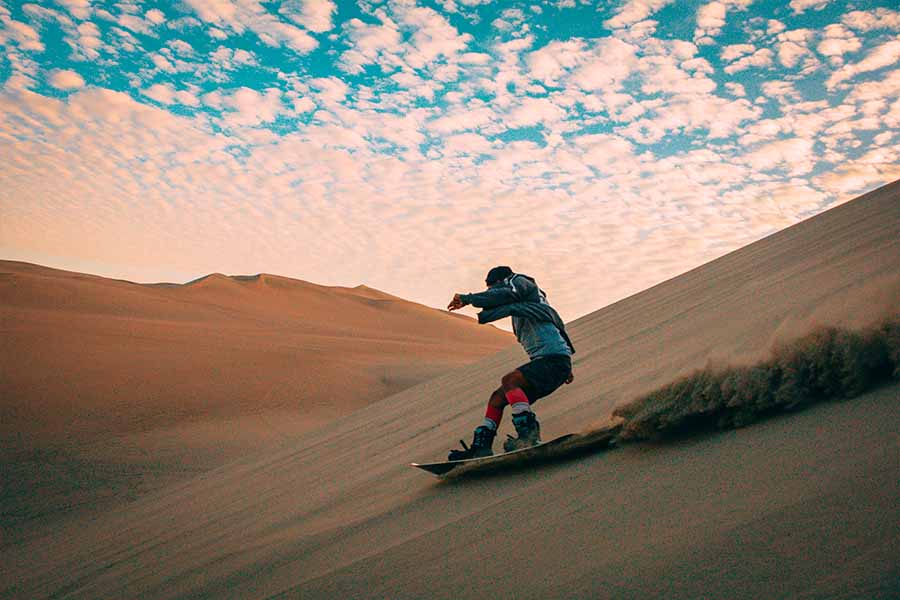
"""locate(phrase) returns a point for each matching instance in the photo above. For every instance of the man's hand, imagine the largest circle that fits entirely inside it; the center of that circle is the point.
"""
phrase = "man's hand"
(456, 303)
(571, 377)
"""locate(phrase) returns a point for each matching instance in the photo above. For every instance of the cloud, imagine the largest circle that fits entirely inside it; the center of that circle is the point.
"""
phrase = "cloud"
(774, 26)
(80, 9)
(303, 105)
(734, 51)
(230, 59)
(277, 33)
(794, 46)
(794, 155)
(162, 63)
(885, 55)
(871, 20)
(66, 80)
(155, 16)
(23, 34)
(466, 144)
(370, 44)
(799, 6)
(475, 115)
(858, 178)
(165, 93)
(88, 41)
(633, 11)
(884, 89)
(689, 112)
(610, 62)
(433, 37)
(838, 40)
(761, 58)
(83, 38)
(251, 108)
(331, 91)
(315, 15)
(251, 15)
(784, 91)
(532, 111)
(711, 17)
(513, 21)
(135, 23)
(431, 42)
(607, 153)
(182, 48)
(735, 89)
(790, 53)
(549, 63)
(474, 58)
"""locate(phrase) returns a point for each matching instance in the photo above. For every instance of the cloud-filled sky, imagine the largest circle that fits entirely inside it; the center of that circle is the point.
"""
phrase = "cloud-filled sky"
(410, 145)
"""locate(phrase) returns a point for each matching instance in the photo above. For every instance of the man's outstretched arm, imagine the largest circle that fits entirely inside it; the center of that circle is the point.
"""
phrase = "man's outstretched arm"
(515, 290)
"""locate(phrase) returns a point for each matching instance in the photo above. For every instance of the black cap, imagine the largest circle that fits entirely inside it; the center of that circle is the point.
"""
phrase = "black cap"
(497, 274)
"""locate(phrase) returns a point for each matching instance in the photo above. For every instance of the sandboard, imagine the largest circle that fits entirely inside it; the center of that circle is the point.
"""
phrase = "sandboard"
(564, 445)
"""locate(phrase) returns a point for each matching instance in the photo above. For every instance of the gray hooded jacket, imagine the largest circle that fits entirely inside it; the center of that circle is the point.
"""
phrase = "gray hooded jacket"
(537, 326)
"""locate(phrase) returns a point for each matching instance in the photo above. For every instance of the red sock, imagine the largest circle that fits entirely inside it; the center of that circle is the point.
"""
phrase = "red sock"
(494, 414)
(515, 396)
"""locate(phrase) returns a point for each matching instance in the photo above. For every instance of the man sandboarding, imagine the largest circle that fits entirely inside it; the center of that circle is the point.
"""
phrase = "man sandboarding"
(542, 333)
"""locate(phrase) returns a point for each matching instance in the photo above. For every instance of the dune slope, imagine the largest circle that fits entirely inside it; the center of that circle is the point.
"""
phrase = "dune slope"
(110, 387)
(798, 506)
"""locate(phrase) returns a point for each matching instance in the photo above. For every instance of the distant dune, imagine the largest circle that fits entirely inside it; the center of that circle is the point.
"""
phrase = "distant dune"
(805, 505)
(110, 385)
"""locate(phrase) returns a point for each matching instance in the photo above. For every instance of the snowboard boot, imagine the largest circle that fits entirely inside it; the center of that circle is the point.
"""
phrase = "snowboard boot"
(528, 430)
(481, 445)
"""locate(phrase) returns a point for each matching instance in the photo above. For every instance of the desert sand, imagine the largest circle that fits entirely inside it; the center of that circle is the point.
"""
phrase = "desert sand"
(805, 505)
(112, 388)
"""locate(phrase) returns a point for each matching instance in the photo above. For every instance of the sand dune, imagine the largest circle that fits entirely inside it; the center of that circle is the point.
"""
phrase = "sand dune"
(806, 505)
(109, 386)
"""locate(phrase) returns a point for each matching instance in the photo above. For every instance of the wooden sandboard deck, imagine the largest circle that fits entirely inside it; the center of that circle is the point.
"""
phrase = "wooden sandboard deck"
(564, 445)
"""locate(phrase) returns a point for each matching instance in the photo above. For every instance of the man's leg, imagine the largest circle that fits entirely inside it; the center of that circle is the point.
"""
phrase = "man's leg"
(510, 392)
(494, 412)
(514, 386)
(483, 439)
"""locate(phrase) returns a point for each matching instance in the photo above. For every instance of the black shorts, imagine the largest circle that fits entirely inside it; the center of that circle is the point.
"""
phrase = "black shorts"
(545, 374)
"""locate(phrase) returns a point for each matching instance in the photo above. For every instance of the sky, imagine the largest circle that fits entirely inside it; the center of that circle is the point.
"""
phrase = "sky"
(410, 145)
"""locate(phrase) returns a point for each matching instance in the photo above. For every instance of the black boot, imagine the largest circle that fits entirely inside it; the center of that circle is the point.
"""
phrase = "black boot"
(481, 445)
(528, 430)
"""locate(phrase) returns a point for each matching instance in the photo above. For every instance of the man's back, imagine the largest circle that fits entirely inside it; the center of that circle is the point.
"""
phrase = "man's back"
(536, 325)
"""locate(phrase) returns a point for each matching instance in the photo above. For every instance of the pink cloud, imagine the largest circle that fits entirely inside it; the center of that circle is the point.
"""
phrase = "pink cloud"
(633, 11)
(25, 35)
(555, 59)
(253, 108)
(879, 18)
(711, 17)
(799, 6)
(532, 111)
(66, 80)
(759, 59)
(243, 15)
(885, 55)
(80, 9)
(315, 15)
(371, 43)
